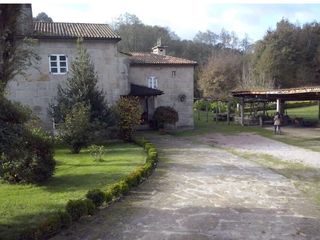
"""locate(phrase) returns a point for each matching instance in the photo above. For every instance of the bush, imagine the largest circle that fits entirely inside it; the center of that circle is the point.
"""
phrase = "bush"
(165, 115)
(97, 152)
(76, 209)
(65, 219)
(25, 155)
(97, 197)
(108, 196)
(75, 131)
(124, 187)
(91, 207)
(128, 111)
(32, 162)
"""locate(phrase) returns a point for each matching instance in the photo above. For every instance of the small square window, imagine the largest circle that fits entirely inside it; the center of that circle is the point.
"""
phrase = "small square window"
(58, 63)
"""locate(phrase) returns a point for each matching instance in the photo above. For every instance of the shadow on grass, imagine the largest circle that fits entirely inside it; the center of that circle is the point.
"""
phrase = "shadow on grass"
(23, 222)
(75, 182)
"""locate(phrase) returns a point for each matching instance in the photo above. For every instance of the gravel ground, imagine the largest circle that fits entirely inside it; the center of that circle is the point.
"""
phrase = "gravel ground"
(252, 143)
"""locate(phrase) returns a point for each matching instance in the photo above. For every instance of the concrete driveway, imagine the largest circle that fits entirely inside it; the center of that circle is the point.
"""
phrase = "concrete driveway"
(201, 192)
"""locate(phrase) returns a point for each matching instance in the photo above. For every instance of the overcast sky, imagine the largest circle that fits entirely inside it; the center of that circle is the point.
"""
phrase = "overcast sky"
(185, 18)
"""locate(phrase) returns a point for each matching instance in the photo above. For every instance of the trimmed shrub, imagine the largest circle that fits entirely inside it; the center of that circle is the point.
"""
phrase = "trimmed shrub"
(65, 219)
(133, 179)
(128, 111)
(108, 196)
(97, 197)
(91, 207)
(124, 187)
(50, 226)
(97, 152)
(115, 190)
(76, 209)
(165, 115)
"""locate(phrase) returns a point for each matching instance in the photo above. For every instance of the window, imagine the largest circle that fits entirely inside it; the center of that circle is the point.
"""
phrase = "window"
(152, 82)
(58, 64)
(173, 74)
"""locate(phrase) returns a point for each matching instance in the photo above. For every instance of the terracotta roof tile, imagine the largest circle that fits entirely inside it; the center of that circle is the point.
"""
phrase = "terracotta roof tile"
(152, 58)
(74, 30)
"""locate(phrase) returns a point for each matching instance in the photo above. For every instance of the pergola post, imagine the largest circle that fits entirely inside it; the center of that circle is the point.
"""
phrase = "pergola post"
(280, 104)
(319, 110)
(242, 111)
(207, 111)
(228, 112)
(217, 111)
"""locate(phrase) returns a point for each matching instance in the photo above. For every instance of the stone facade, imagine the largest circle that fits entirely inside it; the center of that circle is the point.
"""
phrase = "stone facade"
(176, 81)
(116, 71)
(39, 87)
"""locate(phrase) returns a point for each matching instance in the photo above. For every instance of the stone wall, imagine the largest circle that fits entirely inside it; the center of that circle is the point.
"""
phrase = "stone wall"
(39, 87)
(172, 85)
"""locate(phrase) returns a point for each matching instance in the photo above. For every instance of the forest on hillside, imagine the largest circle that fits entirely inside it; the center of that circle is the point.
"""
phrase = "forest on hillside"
(288, 56)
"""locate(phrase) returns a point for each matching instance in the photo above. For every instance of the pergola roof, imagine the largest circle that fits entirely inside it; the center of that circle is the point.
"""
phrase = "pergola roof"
(138, 90)
(288, 94)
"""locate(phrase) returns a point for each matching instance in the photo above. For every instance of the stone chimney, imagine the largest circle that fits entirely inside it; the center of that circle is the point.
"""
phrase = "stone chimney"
(159, 48)
(25, 20)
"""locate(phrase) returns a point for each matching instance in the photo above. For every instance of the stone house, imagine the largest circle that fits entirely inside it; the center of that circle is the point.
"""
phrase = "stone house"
(156, 78)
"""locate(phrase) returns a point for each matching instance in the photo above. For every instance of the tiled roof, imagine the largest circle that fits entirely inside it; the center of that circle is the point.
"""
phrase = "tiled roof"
(152, 58)
(74, 30)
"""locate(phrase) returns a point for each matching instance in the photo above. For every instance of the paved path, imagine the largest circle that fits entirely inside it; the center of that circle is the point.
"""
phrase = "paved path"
(199, 192)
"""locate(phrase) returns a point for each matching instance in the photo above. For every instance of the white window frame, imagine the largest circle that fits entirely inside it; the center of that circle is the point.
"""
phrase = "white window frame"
(58, 61)
(152, 82)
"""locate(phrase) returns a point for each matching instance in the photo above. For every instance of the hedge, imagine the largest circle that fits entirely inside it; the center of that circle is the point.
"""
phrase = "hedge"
(75, 209)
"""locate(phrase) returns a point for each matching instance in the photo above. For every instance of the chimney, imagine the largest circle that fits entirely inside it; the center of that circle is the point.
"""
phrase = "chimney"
(159, 48)
(25, 20)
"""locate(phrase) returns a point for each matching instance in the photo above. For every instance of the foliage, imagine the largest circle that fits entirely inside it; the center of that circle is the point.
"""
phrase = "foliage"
(222, 74)
(25, 155)
(97, 152)
(15, 55)
(43, 17)
(75, 130)
(97, 197)
(165, 114)
(76, 209)
(91, 207)
(128, 110)
(287, 56)
(81, 87)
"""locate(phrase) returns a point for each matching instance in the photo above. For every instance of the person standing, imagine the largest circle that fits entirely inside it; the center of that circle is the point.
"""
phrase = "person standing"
(277, 123)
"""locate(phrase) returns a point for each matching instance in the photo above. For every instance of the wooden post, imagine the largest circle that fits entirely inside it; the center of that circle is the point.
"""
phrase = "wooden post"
(242, 111)
(264, 109)
(207, 109)
(228, 112)
(217, 111)
(319, 110)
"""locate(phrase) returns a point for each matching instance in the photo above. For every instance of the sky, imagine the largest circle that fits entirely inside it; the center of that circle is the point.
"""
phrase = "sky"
(187, 17)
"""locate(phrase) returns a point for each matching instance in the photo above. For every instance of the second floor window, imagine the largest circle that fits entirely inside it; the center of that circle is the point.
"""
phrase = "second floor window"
(152, 82)
(58, 64)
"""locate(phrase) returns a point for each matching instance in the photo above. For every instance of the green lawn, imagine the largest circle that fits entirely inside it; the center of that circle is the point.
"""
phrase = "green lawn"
(310, 113)
(74, 176)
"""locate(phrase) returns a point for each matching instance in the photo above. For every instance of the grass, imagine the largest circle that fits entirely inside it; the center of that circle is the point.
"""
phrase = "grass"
(305, 178)
(24, 205)
(308, 113)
